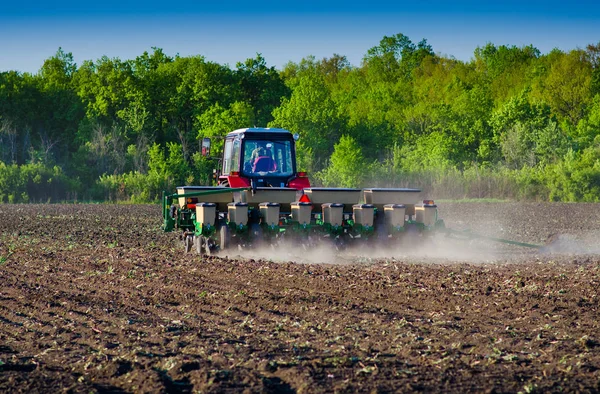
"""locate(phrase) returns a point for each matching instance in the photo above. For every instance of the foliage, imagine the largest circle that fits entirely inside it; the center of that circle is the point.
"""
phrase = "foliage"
(35, 182)
(347, 165)
(312, 113)
(218, 121)
(576, 177)
(510, 123)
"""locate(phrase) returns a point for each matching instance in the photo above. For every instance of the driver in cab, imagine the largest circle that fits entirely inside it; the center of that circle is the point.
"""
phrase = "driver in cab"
(262, 158)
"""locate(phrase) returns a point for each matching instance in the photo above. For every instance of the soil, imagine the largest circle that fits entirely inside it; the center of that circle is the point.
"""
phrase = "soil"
(95, 298)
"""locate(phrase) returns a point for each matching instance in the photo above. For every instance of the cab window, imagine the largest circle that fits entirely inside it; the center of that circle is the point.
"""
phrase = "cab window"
(235, 155)
(279, 153)
(227, 156)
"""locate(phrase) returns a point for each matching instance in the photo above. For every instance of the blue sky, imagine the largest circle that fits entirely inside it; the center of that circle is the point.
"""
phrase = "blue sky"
(231, 31)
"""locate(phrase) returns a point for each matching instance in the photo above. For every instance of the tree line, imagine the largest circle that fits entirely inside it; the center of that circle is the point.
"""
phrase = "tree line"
(511, 123)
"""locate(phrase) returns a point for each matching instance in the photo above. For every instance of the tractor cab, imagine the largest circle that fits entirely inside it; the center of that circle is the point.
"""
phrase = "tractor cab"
(261, 157)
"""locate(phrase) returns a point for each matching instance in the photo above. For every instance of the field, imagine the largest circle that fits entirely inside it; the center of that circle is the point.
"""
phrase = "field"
(94, 298)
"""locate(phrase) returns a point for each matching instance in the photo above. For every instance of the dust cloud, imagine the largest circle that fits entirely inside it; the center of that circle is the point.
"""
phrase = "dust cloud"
(434, 249)
(571, 245)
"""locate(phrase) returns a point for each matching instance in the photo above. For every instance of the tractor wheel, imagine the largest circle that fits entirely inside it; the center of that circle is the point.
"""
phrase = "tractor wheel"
(224, 237)
(188, 242)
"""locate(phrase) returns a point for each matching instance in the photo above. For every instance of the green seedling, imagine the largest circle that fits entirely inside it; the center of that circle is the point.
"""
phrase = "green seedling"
(4, 259)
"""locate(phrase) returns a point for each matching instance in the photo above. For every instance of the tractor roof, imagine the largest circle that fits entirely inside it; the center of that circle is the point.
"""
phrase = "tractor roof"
(252, 130)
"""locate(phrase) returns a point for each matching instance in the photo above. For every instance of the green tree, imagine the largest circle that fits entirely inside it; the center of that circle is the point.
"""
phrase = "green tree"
(347, 166)
(593, 56)
(62, 109)
(104, 86)
(260, 86)
(430, 152)
(312, 113)
(588, 129)
(218, 121)
(396, 57)
(567, 86)
(166, 171)
(576, 177)
(519, 109)
(507, 69)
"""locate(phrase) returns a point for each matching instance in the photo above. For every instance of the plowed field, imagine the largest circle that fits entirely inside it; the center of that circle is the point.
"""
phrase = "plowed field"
(94, 298)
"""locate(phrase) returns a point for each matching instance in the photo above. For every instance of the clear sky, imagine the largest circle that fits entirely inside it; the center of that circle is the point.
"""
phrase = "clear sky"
(231, 31)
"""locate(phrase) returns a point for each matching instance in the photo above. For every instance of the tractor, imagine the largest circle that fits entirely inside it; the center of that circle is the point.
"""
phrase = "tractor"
(261, 198)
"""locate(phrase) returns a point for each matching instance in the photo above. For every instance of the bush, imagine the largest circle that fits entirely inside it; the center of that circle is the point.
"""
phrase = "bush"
(576, 177)
(347, 166)
(166, 172)
(35, 182)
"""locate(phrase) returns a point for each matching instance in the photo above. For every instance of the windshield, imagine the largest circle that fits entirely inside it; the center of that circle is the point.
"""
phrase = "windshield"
(268, 158)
